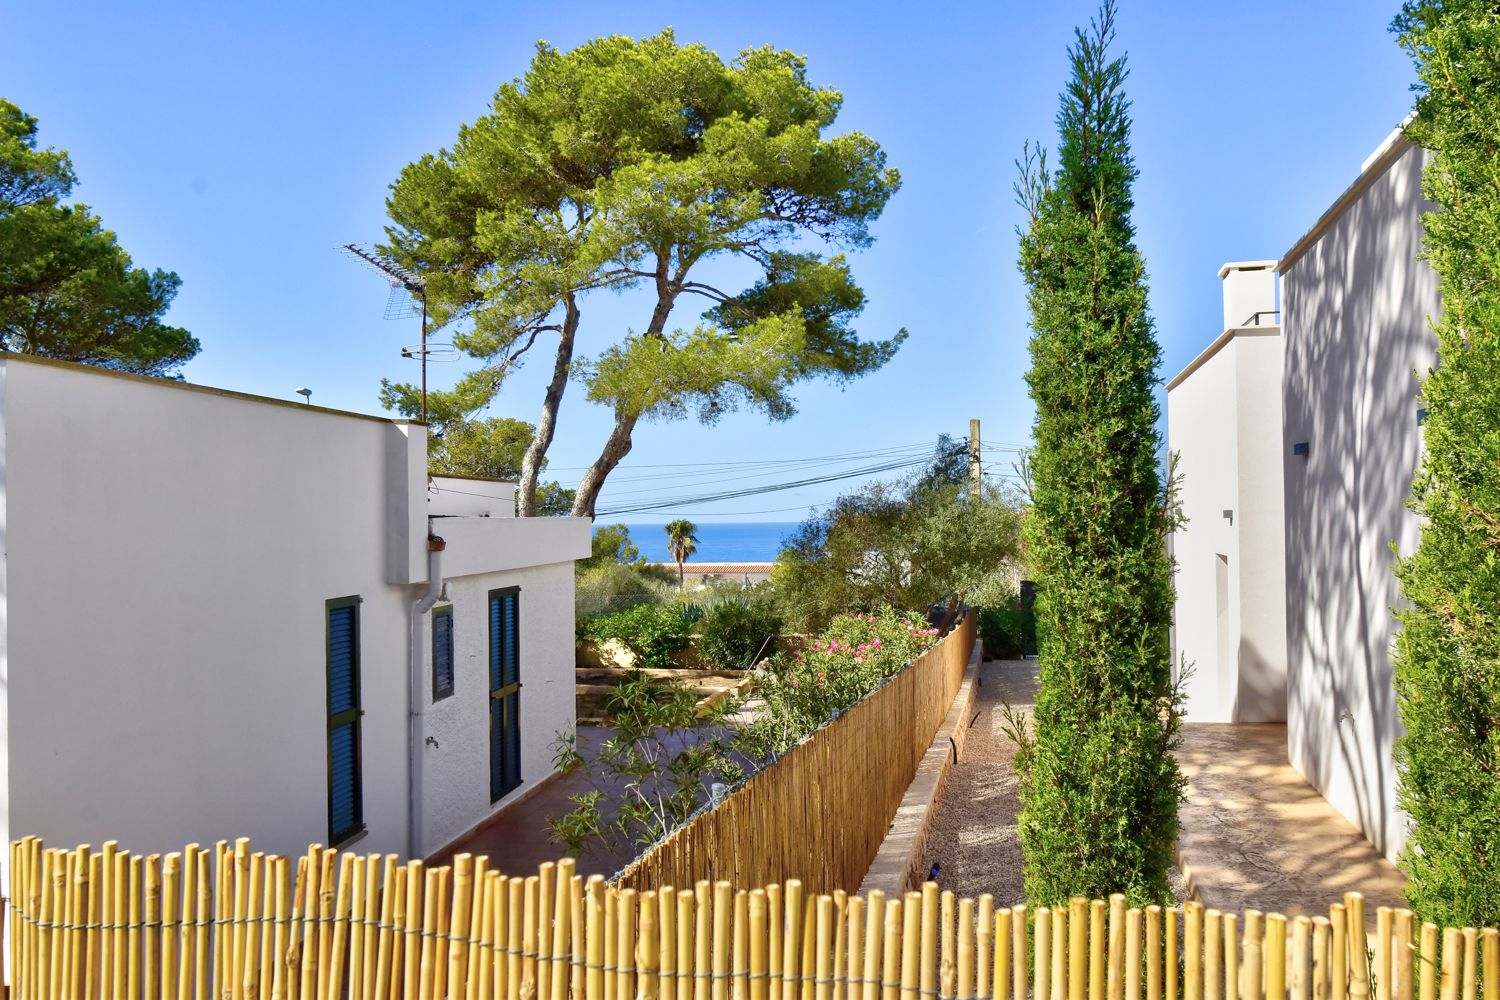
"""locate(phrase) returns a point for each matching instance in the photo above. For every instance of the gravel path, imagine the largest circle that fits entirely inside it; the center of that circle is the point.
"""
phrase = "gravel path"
(973, 833)
(973, 836)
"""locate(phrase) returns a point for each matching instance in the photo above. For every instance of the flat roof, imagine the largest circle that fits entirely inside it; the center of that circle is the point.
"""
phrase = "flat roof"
(194, 387)
(475, 479)
(1388, 152)
(1244, 265)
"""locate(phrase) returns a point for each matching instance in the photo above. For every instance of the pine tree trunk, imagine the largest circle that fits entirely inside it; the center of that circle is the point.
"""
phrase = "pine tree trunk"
(615, 449)
(536, 452)
(618, 445)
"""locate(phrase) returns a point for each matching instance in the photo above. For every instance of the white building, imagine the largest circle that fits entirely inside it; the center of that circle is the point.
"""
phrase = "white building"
(1224, 421)
(1310, 438)
(223, 615)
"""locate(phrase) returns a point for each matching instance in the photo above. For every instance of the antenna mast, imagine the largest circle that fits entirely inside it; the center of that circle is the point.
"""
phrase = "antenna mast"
(411, 282)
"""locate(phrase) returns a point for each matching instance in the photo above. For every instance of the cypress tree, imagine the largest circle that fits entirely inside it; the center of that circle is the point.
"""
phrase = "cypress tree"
(1099, 785)
(1447, 658)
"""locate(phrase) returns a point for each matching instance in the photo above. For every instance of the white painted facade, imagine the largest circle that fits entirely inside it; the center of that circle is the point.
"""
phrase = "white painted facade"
(1356, 302)
(169, 550)
(1223, 419)
(1326, 417)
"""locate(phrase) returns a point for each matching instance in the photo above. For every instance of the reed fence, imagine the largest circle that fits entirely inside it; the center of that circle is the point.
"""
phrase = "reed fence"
(231, 924)
(824, 808)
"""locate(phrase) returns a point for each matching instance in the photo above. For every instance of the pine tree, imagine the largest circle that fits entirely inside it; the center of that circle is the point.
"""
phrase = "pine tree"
(1099, 785)
(1447, 657)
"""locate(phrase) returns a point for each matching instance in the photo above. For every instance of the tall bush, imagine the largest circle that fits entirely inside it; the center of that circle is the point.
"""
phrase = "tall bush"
(1099, 784)
(1448, 650)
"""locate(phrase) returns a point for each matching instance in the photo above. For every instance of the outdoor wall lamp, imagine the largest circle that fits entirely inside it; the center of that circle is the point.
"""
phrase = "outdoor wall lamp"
(1300, 449)
(1229, 516)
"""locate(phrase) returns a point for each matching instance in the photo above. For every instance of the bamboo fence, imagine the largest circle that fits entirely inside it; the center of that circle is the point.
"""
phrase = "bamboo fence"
(825, 807)
(235, 925)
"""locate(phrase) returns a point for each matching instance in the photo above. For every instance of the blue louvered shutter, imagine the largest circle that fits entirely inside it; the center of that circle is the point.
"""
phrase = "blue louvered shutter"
(505, 692)
(442, 653)
(345, 808)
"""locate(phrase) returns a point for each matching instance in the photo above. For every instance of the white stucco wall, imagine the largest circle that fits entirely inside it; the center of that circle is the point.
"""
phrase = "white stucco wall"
(166, 575)
(169, 553)
(457, 781)
(1223, 423)
(464, 496)
(1202, 430)
(1259, 520)
(1356, 304)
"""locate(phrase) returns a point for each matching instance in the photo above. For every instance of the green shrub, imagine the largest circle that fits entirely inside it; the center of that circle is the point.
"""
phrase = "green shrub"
(1099, 785)
(1008, 631)
(1447, 657)
(738, 632)
(611, 587)
(652, 774)
(837, 669)
(653, 632)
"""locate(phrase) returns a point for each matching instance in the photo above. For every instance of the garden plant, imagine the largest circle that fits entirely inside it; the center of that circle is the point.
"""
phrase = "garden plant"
(1447, 656)
(1099, 785)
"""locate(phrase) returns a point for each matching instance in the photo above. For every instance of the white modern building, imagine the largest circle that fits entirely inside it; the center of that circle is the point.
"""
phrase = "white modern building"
(223, 615)
(1298, 444)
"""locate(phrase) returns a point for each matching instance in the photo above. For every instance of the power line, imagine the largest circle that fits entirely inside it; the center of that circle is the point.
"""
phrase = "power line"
(872, 453)
(757, 491)
(677, 486)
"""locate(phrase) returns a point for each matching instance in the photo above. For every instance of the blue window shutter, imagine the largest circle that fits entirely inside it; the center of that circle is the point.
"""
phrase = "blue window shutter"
(442, 652)
(345, 794)
(505, 692)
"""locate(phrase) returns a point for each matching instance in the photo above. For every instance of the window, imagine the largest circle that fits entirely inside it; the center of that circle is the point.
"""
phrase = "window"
(345, 792)
(442, 652)
(505, 692)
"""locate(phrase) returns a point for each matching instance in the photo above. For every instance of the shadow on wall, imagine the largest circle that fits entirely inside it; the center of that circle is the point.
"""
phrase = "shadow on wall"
(1260, 692)
(1356, 325)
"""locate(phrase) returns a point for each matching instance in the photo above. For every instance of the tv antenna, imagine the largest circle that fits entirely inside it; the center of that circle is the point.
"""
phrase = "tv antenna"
(408, 290)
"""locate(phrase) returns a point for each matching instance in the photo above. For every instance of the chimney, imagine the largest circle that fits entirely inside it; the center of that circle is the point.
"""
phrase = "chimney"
(1249, 293)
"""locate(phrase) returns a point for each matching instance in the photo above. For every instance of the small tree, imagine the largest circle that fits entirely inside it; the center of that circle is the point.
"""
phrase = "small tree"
(932, 539)
(1447, 657)
(682, 542)
(68, 290)
(1099, 785)
(653, 773)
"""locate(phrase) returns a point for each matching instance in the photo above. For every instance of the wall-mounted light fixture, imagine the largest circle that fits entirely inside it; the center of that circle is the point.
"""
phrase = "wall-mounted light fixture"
(1300, 449)
(1229, 516)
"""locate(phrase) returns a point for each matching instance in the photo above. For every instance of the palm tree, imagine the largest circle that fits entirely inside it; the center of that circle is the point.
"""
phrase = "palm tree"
(682, 541)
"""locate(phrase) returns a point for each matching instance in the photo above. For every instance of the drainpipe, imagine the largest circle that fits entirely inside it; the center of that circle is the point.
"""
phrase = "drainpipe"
(416, 695)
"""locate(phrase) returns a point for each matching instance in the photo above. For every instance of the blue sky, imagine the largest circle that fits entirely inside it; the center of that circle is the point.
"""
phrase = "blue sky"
(239, 143)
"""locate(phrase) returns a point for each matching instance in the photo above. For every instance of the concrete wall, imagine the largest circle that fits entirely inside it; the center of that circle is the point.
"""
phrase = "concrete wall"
(450, 496)
(1355, 306)
(1223, 421)
(1261, 685)
(1203, 432)
(166, 574)
(169, 553)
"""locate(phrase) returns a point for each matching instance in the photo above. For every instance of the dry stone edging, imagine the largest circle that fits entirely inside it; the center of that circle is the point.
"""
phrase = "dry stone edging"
(898, 865)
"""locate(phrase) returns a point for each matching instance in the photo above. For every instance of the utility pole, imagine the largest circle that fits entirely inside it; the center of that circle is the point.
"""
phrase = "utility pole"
(976, 470)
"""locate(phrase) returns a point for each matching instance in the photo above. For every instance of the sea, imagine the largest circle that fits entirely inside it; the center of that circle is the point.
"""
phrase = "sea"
(744, 541)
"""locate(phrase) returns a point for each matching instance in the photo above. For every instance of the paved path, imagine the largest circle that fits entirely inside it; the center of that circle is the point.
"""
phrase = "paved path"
(518, 839)
(1256, 834)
